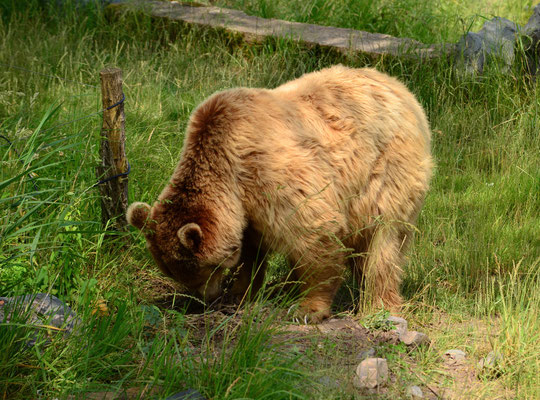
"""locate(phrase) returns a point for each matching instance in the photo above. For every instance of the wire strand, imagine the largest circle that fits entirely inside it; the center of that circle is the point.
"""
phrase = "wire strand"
(86, 116)
(110, 178)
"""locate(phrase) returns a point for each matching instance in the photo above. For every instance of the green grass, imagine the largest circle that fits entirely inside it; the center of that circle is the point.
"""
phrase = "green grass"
(475, 258)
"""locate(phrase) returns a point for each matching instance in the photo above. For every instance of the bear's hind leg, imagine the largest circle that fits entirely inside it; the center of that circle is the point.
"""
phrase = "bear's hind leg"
(395, 195)
(382, 268)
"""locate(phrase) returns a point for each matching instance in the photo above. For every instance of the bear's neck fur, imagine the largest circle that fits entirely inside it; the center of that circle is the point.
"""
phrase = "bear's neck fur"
(208, 156)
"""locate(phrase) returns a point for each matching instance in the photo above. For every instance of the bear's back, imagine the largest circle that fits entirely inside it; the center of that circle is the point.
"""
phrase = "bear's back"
(326, 127)
(358, 99)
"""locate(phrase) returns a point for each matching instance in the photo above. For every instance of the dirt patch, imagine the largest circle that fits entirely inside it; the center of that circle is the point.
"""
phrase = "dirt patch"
(127, 394)
(350, 339)
(463, 376)
(332, 350)
(460, 379)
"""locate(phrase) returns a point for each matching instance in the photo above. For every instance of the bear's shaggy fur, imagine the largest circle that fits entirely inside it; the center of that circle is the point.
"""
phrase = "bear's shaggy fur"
(330, 169)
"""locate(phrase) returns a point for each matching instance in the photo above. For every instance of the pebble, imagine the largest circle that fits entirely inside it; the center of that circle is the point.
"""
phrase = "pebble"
(400, 324)
(370, 373)
(328, 382)
(366, 353)
(190, 394)
(414, 392)
(491, 363)
(413, 338)
(455, 354)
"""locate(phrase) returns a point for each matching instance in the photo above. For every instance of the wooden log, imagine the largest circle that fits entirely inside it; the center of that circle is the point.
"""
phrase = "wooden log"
(114, 192)
(256, 29)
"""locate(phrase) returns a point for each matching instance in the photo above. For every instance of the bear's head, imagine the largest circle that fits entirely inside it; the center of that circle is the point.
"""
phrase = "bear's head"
(182, 248)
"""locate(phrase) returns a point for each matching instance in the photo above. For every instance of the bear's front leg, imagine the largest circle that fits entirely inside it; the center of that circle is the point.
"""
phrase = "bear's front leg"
(321, 279)
(248, 279)
(249, 276)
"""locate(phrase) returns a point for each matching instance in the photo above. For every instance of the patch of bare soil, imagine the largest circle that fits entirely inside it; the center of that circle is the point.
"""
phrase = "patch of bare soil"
(463, 376)
(460, 378)
(127, 394)
(350, 338)
(334, 348)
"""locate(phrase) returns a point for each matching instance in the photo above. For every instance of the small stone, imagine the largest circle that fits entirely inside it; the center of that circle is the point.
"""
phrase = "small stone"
(190, 394)
(328, 382)
(413, 338)
(400, 324)
(414, 392)
(371, 373)
(531, 42)
(366, 353)
(39, 309)
(491, 363)
(455, 354)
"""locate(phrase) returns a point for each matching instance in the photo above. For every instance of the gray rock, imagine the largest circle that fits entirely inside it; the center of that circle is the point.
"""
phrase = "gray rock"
(38, 309)
(371, 373)
(190, 394)
(533, 25)
(455, 354)
(400, 324)
(256, 29)
(413, 338)
(496, 40)
(531, 42)
(414, 392)
(328, 382)
(366, 353)
(491, 363)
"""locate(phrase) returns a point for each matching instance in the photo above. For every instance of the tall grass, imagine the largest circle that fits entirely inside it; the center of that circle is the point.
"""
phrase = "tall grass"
(476, 254)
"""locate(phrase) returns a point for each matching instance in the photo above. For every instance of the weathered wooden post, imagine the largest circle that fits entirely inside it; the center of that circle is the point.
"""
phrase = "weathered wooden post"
(114, 165)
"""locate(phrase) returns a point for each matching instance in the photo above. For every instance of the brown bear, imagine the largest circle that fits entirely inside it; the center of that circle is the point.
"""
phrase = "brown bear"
(330, 169)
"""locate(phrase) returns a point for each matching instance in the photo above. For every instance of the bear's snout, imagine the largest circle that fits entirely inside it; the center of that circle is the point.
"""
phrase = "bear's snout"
(211, 289)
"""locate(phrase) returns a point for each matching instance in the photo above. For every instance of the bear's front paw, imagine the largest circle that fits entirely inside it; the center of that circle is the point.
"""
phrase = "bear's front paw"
(309, 313)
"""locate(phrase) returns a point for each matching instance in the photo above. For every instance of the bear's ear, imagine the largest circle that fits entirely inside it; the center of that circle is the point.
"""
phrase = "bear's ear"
(190, 236)
(137, 214)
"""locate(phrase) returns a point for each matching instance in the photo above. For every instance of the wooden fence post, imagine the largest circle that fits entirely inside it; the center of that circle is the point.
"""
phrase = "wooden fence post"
(114, 200)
